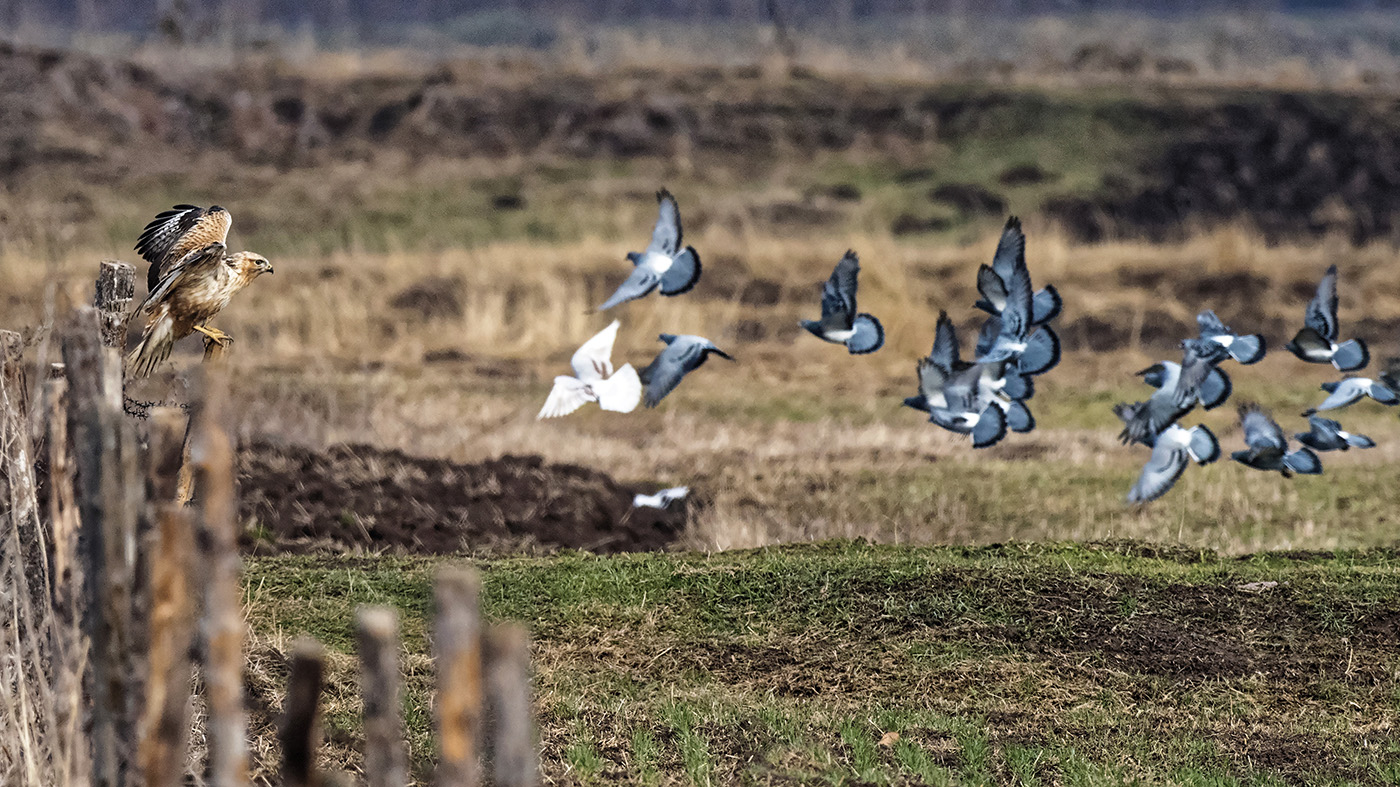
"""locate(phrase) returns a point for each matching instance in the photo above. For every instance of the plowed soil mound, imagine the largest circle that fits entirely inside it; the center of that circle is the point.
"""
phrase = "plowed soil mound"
(355, 497)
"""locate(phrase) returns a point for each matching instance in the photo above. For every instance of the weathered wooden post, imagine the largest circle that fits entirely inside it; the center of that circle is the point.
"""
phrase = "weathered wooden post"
(66, 585)
(164, 728)
(507, 653)
(109, 495)
(300, 731)
(211, 454)
(377, 632)
(457, 651)
(116, 286)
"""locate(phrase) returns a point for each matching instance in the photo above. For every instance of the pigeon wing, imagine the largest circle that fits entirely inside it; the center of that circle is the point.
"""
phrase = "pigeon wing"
(641, 281)
(1016, 315)
(1261, 433)
(1210, 325)
(992, 289)
(839, 294)
(666, 236)
(1011, 249)
(945, 343)
(1342, 394)
(1322, 309)
(567, 395)
(987, 335)
(1163, 468)
(592, 362)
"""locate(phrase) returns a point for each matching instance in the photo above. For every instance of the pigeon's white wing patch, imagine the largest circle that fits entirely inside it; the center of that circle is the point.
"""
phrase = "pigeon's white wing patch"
(592, 362)
(621, 392)
(568, 395)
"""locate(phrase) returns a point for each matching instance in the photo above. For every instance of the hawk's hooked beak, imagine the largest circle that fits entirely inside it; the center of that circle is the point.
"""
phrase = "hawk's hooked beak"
(270, 270)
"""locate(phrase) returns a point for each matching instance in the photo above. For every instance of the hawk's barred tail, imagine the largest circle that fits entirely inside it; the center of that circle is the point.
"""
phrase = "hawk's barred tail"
(156, 344)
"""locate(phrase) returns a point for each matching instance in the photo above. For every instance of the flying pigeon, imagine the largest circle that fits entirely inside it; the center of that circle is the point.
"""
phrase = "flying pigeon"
(681, 356)
(840, 323)
(1211, 393)
(1174, 448)
(1317, 341)
(1035, 350)
(1328, 435)
(1246, 349)
(665, 263)
(1268, 448)
(993, 281)
(662, 499)
(1351, 390)
(1180, 387)
(963, 410)
(594, 380)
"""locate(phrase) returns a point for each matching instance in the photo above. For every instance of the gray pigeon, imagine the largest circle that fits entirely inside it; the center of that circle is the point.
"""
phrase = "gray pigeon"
(1179, 389)
(965, 412)
(681, 356)
(665, 264)
(1317, 341)
(840, 322)
(1325, 434)
(1035, 350)
(1351, 390)
(1268, 448)
(1246, 349)
(1211, 392)
(993, 281)
(1174, 448)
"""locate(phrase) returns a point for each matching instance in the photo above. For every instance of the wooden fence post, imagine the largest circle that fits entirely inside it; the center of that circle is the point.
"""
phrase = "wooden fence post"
(211, 453)
(164, 726)
(69, 657)
(108, 495)
(377, 632)
(457, 651)
(300, 731)
(116, 286)
(508, 696)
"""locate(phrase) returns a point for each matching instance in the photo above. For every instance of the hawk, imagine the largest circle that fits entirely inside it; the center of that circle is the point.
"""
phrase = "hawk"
(191, 279)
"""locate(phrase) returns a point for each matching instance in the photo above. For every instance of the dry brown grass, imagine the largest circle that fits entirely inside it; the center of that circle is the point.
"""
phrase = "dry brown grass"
(800, 441)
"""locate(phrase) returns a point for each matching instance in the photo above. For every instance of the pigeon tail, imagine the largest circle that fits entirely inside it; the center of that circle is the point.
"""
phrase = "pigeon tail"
(1248, 349)
(683, 273)
(869, 336)
(1042, 352)
(1046, 305)
(1351, 355)
(1203, 446)
(1019, 418)
(1215, 389)
(990, 428)
(1018, 386)
(1383, 394)
(1303, 462)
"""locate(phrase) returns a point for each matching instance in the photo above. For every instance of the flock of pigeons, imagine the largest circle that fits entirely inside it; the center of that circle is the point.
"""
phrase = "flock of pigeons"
(986, 397)
(1198, 379)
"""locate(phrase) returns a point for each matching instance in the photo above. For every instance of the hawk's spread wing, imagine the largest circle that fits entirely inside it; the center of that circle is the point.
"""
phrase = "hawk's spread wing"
(177, 232)
(193, 264)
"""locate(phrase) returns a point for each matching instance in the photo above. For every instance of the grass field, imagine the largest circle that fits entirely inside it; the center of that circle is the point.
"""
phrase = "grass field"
(848, 663)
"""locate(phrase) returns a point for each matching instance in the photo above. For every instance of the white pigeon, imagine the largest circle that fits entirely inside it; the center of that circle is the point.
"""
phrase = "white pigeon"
(662, 499)
(594, 380)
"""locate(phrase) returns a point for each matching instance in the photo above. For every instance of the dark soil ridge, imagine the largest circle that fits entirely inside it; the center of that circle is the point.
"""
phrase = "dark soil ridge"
(360, 498)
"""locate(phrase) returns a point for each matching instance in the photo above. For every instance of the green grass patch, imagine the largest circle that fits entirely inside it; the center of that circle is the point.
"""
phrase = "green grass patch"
(847, 663)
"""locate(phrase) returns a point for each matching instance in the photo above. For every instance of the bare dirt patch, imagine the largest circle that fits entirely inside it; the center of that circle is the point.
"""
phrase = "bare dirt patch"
(355, 497)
